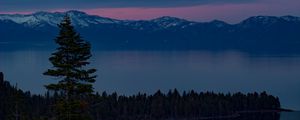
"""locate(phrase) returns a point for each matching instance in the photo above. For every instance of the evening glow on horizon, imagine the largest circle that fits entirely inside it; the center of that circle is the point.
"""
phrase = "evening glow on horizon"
(232, 11)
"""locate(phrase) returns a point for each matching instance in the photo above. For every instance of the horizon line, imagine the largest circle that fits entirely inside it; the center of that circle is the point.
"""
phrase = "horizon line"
(142, 19)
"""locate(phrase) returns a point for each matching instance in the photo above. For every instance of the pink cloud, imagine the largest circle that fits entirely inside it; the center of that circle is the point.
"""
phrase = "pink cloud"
(231, 13)
(25, 12)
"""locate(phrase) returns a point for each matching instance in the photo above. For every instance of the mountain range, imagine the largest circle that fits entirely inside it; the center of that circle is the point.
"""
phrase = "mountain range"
(259, 34)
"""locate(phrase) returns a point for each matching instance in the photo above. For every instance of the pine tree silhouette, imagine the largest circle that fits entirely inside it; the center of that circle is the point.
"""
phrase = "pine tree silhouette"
(69, 66)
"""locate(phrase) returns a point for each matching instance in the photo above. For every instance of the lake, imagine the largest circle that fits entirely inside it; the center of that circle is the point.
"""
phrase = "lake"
(267, 116)
(290, 116)
(129, 72)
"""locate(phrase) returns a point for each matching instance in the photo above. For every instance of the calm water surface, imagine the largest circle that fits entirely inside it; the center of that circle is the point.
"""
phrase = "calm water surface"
(290, 116)
(268, 116)
(128, 72)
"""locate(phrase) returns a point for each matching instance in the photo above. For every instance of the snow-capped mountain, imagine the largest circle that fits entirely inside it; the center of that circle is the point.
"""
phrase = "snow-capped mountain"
(290, 18)
(167, 22)
(39, 19)
(266, 21)
(258, 33)
(81, 19)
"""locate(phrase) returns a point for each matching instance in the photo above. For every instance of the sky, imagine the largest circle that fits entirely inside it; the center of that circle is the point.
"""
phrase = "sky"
(232, 11)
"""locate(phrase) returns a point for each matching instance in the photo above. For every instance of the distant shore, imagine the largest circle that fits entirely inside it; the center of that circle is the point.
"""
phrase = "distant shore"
(238, 114)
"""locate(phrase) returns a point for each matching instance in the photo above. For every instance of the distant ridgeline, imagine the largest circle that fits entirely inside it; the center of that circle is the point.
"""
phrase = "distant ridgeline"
(173, 105)
(258, 34)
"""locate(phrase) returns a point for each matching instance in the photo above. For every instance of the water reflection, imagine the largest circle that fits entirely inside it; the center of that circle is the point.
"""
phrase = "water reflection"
(129, 72)
(258, 116)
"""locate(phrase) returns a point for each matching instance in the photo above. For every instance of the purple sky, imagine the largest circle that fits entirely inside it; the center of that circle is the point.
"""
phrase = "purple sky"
(231, 11)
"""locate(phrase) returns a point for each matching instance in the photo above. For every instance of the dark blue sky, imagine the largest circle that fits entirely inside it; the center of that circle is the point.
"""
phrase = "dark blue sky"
(12, 5)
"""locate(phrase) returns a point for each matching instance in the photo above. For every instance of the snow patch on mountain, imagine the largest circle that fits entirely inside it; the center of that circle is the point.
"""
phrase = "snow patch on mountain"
(290, 18)
(80, 19)
(167, 22)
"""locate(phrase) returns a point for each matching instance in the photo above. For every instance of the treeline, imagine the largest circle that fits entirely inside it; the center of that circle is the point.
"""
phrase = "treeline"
(20, 105)
(16, 104)
(173, 105)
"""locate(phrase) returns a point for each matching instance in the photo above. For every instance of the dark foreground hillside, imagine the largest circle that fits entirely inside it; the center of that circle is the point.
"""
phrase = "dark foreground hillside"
(16, 103)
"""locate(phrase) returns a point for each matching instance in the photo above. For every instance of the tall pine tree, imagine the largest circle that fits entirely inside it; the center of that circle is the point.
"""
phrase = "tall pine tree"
(69, 67)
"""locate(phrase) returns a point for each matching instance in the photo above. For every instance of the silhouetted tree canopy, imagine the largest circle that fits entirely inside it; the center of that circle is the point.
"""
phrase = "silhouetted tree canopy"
(172, 105)
(75, 81)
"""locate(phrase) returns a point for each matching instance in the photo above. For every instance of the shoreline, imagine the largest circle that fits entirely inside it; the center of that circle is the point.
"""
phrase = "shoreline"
(238, 114)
